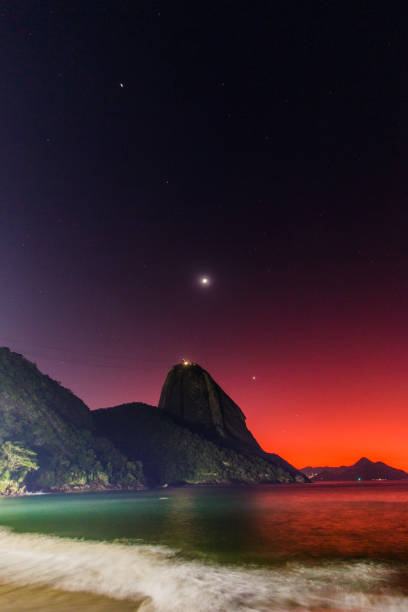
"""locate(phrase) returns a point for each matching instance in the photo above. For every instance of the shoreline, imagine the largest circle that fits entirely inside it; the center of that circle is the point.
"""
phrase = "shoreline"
(184, 485)
(188, 485)
(103, 489)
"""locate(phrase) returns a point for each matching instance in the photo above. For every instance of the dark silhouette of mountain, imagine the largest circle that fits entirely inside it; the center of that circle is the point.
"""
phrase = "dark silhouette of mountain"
(196, 435)
(48, 439)
(191, 395)
(364, 469)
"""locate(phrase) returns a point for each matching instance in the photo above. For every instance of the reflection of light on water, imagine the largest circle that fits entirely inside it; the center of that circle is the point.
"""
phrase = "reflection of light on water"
(164, 582)
(239, 525)
(348, 520)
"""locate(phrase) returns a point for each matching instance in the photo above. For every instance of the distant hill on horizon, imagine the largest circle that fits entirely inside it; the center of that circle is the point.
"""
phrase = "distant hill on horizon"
(363, 469)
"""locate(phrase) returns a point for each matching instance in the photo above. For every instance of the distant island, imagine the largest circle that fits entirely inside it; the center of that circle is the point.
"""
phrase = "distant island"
(51, 441)
(363, 469)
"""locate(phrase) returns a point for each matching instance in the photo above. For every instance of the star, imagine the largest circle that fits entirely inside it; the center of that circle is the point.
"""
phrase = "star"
(204, 281)
(121, 85)
(253, 377)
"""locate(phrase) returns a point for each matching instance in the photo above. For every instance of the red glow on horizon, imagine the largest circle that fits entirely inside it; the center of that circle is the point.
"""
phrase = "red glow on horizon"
(315, 390)
(330, 410)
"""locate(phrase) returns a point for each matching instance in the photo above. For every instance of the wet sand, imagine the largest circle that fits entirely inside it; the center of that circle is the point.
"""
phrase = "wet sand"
(44, 599)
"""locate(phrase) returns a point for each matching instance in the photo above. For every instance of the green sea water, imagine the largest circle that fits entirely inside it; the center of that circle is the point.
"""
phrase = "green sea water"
(284, 547)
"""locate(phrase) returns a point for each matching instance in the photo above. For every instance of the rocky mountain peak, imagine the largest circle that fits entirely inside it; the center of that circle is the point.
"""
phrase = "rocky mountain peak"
(191, 394)
(363, 462)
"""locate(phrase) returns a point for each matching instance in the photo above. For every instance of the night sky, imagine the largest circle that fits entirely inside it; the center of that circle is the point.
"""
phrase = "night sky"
(262, 145)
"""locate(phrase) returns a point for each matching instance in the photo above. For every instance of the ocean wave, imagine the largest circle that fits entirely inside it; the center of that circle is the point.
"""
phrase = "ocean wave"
(159, 580)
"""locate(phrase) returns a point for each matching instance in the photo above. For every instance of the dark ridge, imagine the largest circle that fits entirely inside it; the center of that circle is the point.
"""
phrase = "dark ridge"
(363, 469)
(196, 435)
(47, 434)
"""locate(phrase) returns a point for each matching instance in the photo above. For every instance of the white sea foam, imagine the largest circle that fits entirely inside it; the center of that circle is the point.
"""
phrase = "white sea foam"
(162, 581)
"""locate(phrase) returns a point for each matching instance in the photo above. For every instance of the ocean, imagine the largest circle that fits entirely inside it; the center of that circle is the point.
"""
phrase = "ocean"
(328, 546)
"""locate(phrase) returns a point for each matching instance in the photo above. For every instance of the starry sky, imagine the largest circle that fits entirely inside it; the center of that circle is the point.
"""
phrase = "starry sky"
(261, 145)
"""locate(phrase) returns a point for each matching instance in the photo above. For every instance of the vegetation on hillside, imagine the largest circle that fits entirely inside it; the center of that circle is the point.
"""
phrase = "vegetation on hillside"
(47, 438)
(15, 463)
(172, 453)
